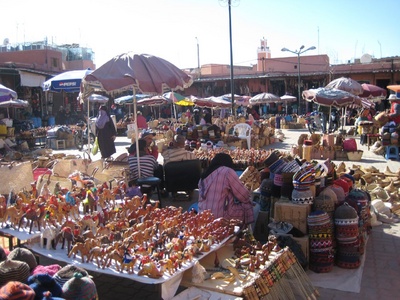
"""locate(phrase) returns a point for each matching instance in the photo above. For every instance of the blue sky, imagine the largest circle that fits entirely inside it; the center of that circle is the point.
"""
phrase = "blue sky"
(342, 29)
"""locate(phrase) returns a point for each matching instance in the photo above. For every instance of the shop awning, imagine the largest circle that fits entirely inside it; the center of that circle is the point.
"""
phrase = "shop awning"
(31, 79)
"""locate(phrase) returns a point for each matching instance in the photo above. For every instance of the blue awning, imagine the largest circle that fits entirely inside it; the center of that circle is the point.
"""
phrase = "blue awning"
(69, 81)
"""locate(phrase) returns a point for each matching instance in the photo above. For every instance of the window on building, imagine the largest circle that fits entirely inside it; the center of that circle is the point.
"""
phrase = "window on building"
(54, 62)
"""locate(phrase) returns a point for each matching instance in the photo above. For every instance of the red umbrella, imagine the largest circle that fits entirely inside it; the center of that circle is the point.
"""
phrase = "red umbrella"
(346, 84)
(329, 97)
(373, 91)
(141, 73)
(144, 73)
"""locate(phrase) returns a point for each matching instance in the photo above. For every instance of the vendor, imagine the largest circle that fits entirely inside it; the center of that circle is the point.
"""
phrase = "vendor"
(365, 115)
(394, 114)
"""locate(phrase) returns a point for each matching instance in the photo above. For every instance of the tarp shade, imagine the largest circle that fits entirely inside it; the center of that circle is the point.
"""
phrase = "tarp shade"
(31, 80)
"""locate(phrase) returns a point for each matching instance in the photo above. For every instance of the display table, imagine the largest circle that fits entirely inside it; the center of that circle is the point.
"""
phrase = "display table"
(169, 283)
(21, 236)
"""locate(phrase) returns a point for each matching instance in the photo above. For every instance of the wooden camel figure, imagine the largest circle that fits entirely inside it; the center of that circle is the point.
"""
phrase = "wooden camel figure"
(3, 210)
(79, 247)
(33, 215)
(14, 214)
(66, 235)
(113, 255)
(50, 234)
(128, 262)
(96, 253)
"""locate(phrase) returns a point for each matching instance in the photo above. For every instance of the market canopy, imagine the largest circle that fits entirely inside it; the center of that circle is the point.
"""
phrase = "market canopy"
(69, 81)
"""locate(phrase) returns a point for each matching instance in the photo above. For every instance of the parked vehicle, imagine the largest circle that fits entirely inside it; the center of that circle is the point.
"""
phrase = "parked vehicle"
(315, 120)
(81, 136)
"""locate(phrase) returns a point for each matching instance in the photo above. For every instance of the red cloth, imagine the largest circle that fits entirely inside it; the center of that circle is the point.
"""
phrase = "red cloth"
(50, 269)
(141, 122)
(395, 119)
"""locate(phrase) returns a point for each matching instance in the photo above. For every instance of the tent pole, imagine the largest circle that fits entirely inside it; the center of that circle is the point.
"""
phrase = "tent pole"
(88, 124)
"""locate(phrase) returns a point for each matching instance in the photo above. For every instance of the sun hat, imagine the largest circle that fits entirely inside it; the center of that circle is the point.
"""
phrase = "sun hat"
(146, 133)
(15, 290)
(67, 272)
(80, 288)
(25, 255)
(13, 270)
(41, 283)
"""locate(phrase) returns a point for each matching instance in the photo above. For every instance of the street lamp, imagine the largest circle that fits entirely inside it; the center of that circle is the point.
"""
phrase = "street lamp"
(298, 52)
(198, 57)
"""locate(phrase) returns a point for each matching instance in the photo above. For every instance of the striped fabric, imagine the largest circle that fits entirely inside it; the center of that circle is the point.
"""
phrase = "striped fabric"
(15, 290)
(177, 154)
(221, 184)
(147, 166)
(13, 270)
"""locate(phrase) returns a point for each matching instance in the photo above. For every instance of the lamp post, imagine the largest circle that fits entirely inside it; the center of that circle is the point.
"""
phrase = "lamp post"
(198, 57)
(298, 52)
(231, 53)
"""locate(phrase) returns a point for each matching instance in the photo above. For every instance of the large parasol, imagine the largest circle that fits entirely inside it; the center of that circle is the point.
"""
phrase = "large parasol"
(264, 98)
(213, 102)
(330, 97)
(18, 103)
(7, 94)
(347, 85)
(373, 92)
(140, 73)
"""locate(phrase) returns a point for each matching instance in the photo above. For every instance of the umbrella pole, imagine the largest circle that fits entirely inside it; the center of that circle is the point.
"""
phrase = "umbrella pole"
(88, 124)
(136, 132)
(344, 116)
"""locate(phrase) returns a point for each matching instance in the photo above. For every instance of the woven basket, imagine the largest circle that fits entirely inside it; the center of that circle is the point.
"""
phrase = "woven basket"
(355, 155)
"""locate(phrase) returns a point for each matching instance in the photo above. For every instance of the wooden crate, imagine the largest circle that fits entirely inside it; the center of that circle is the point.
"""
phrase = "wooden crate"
(295, 214)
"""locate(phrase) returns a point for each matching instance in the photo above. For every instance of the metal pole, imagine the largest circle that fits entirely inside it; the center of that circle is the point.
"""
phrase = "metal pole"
(230, 44)
(198, 57)
(298, 82)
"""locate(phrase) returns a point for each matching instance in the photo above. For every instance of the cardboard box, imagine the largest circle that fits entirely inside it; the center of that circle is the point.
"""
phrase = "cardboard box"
(295, 214)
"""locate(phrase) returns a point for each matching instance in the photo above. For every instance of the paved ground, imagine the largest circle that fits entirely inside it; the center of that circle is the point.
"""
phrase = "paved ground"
(381, 272)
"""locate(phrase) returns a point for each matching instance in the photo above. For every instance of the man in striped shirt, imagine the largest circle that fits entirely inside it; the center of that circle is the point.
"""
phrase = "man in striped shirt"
(177, 152)
(148, 164)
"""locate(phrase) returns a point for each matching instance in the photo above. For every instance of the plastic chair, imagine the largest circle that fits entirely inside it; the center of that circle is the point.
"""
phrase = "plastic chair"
(243, 131)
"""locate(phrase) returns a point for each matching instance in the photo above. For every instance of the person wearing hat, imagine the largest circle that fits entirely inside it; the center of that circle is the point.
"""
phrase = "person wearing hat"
(394, 114)
(151, 147)
(141, 121)
(177, 152)
(106, 133)
(60, 116)
(207, 116)
(148, 164)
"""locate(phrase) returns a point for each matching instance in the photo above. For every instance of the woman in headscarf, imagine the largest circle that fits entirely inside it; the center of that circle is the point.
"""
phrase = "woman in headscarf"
(106, 133)
(221, 191)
